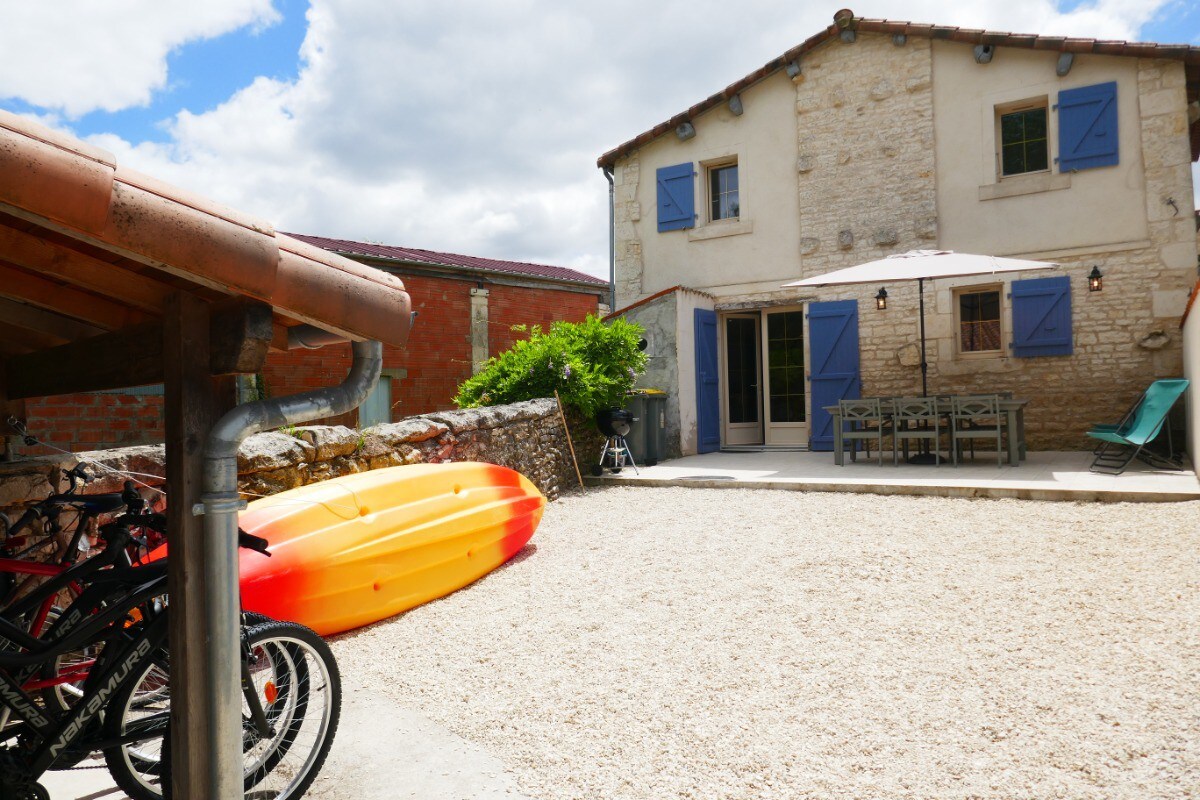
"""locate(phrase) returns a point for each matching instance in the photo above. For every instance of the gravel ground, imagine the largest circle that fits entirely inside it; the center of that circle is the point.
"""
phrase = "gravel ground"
(717, 643)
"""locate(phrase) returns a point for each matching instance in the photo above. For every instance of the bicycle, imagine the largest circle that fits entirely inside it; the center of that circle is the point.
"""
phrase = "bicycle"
(123, 611)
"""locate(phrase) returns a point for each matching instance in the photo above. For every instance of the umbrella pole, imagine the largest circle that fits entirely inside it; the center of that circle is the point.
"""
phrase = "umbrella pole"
(924, 363)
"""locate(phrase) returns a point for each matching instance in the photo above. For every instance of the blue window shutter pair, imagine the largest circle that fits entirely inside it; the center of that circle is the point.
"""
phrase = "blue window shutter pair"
(1087, 127)
(1041, 312)
(676, 198)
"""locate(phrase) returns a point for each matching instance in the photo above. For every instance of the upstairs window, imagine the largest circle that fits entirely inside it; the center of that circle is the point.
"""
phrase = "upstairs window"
(723, 192)
(1024, 143)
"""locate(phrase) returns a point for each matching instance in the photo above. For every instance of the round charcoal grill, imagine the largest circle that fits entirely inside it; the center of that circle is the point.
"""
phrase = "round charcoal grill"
(614, 421)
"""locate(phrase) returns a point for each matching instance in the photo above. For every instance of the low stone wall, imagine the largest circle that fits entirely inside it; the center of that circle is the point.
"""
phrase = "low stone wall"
(528, 437)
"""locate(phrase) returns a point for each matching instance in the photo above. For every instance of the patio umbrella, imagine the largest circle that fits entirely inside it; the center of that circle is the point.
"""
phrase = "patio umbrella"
(922, 265)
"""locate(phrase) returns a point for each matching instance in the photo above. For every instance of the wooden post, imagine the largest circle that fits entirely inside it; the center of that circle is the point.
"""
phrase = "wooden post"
(566, 430)
(191, 407)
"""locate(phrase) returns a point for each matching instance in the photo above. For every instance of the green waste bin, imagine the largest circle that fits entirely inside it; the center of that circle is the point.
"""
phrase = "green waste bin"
(648, 436)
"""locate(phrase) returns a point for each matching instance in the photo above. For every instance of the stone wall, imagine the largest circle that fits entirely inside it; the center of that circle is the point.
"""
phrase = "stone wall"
(659, 319)
(867, 179)
(528, 437)
(866, 131)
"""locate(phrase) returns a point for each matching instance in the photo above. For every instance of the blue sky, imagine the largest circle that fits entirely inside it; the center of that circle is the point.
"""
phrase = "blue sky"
(205, 73)
(470, 126)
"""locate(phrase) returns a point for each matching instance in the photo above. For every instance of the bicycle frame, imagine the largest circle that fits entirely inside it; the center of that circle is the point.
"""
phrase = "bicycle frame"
(72, 631)
(17, 566)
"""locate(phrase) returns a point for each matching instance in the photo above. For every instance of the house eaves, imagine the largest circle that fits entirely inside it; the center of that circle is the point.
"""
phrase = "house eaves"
(845, 20)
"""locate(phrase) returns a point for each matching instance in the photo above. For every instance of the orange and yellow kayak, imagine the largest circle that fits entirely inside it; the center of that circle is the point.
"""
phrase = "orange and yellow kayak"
(353, 550)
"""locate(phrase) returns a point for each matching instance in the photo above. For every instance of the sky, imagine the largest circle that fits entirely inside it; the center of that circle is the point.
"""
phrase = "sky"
(467, 126)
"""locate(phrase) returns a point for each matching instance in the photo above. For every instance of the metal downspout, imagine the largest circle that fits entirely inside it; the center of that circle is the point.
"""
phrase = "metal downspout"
(612, 243)
(221, 504)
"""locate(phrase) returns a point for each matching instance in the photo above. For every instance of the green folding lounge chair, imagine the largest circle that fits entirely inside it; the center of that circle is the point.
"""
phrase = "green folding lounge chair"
(1121, 445)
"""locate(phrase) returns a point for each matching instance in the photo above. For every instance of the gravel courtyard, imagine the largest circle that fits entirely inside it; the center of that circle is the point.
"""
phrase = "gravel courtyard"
(715, 643)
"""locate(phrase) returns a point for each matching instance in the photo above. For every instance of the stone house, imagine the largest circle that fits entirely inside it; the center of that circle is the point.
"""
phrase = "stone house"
(876, 137)
(467, 305)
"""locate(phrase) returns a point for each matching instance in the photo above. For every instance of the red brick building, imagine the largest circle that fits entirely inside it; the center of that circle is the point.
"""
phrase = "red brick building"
(467, 308)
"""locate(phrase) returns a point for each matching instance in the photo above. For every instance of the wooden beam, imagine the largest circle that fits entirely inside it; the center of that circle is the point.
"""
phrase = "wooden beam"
(32, 318)
(23, 337)
(84, 306)
(31, 252)
(191, 410)
(9, 440)
(241, 333)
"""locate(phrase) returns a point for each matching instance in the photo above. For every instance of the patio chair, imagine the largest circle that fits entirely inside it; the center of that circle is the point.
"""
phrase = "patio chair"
(975, 417)
(1110, 427)
(915, 418)
(864, 420)
(1129, 440)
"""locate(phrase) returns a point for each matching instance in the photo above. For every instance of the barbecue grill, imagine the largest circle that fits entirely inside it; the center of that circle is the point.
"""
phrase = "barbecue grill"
(614, 423)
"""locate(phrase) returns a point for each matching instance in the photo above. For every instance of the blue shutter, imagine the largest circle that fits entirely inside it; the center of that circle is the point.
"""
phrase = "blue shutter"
(834, 369)
(676, 198)
(708, 408)
(1041, 311)
(1087, 127)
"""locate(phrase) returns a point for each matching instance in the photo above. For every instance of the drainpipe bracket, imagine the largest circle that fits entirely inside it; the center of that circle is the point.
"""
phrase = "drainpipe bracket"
(218, 503)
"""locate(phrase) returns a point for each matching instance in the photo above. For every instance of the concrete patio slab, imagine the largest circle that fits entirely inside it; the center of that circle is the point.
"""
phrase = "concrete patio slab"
(1042, 476)
(381, 750)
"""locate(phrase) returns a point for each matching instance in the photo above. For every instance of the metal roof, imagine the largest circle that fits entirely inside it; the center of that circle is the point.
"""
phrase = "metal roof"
(417, 256)
(845, 20)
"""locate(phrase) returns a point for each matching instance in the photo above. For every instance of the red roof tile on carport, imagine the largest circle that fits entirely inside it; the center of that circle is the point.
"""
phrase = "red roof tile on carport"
(101, 246)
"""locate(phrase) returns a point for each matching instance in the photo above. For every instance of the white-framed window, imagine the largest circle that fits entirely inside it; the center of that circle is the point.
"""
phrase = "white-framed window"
(978, 321)
(1023, 137)
(723, 201)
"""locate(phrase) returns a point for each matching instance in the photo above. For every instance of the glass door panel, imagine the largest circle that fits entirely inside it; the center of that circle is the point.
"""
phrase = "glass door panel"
(787, 388)
(743, 368)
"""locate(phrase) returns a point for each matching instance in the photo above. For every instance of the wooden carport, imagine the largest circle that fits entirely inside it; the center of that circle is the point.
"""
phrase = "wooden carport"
(110, 278)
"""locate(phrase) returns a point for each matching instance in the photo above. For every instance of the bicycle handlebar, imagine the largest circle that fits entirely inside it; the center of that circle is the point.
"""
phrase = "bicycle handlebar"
(158, 522)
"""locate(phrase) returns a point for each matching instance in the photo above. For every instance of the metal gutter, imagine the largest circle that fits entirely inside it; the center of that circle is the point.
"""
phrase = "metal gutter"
(220, 504)
(612, 239)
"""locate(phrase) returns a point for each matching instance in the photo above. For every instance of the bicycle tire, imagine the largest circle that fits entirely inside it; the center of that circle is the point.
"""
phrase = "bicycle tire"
(294, 661)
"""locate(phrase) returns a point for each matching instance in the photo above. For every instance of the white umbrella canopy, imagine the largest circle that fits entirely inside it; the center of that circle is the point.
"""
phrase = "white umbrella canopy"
(922, 265)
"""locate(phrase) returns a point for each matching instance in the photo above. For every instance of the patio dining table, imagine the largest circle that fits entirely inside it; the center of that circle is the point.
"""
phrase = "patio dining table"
(1012, 409)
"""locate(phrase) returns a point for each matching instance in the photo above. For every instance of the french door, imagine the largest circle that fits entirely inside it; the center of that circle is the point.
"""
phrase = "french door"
(764, 388)
(742, 380)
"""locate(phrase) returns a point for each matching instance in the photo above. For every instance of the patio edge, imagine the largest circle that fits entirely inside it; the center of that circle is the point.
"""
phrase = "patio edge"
(1014, 493)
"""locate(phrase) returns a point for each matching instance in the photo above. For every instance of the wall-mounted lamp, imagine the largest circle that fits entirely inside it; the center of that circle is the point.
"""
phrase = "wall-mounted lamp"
(881, 299)
(1095, 280)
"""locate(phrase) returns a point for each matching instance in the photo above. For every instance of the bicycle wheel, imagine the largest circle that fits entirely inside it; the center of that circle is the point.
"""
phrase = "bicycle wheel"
(141, 709)
(295, 679)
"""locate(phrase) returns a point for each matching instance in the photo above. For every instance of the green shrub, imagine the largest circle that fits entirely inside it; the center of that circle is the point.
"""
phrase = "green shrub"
(592, 365)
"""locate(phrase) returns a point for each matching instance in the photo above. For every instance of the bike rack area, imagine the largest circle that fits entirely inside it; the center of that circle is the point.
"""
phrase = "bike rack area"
(111, 279)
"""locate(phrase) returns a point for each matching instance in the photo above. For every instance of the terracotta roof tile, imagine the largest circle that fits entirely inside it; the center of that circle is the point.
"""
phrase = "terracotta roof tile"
(432, 258)
(1190, 55)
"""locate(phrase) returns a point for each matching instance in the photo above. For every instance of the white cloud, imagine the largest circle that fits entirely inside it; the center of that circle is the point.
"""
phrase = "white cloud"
(77, 56)
(474, 126)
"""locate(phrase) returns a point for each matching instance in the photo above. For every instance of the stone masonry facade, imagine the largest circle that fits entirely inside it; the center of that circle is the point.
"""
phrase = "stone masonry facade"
(866, 176)
(528, 437)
